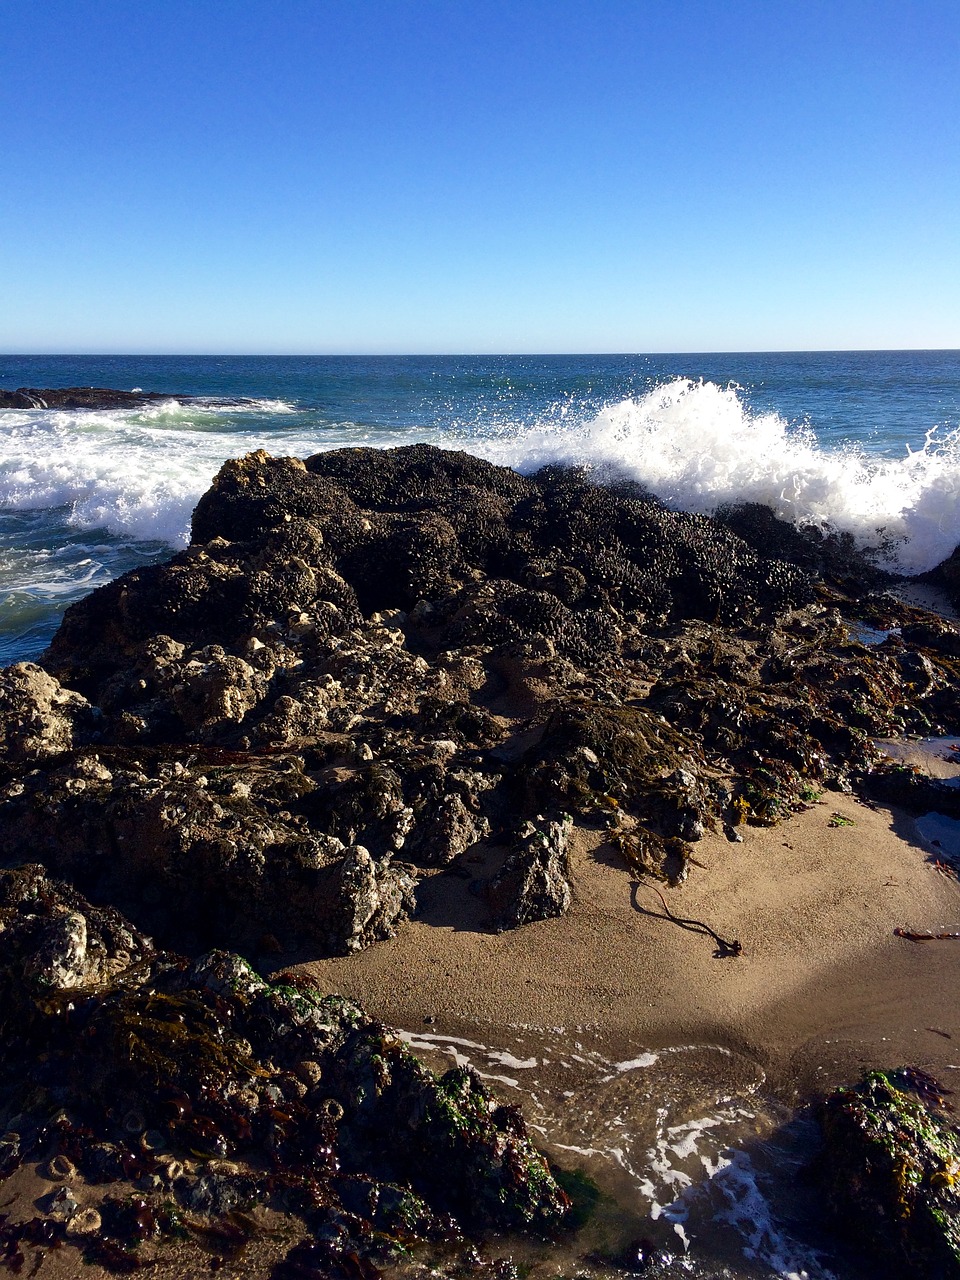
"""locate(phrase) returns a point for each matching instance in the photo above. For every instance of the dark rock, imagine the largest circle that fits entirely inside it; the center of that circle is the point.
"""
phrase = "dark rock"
(533, 882)
(834, 557)
(185, 843)
(55, 940)
(898, 786)
(933, 633)
(79, 398)
(947, 575)
(891, 1170)
(210, 1057)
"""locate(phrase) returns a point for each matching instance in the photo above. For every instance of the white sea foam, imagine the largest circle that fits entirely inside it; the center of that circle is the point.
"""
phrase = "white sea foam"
(698, 446)
(138, 473)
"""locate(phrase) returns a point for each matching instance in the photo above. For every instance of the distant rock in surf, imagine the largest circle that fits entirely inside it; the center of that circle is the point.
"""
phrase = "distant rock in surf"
(80, 398)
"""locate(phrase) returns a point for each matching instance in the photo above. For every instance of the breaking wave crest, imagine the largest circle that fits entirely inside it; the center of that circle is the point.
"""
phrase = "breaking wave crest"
(138, 474)
(698, 447)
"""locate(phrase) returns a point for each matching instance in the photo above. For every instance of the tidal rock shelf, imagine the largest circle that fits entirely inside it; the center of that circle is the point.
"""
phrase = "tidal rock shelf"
(215, 1092)
(367, 667)
(80, 398)
(368, 663)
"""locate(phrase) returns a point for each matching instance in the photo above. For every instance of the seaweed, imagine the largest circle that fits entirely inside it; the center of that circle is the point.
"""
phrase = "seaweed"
(891, 1168)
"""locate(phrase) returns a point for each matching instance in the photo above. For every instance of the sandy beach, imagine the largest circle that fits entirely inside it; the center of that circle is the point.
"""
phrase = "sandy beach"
(823, 987)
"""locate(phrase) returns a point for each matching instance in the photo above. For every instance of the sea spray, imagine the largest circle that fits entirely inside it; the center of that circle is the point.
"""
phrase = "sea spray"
(697, 446)
(843, 442)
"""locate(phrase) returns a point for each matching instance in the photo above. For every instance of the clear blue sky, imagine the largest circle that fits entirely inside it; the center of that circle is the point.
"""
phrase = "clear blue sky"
(472, 175)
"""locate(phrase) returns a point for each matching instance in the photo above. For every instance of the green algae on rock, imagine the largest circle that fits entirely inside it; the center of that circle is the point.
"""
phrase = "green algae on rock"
(891, 1168)
(216, 1091)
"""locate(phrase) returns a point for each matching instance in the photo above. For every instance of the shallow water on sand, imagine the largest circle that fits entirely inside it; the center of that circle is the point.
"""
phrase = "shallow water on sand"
(702, 1172)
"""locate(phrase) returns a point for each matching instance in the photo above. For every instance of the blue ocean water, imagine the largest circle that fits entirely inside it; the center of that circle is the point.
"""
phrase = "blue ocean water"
(861, 441)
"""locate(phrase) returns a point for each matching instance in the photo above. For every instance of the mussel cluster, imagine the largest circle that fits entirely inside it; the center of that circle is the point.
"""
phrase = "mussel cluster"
(204, 1093)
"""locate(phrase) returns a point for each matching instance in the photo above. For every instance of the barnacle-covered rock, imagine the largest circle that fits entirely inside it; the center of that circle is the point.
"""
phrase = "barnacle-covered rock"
(374, 895)
(209, 1082)
(38, 716)
(209, 850)
(891, 1169)
(54, 940)
(489, 1172)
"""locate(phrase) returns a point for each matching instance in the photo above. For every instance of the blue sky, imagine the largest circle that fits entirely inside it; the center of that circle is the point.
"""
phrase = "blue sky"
(426, 176)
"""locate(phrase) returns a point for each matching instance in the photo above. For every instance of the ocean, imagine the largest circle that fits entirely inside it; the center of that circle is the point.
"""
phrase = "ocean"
(867, 442)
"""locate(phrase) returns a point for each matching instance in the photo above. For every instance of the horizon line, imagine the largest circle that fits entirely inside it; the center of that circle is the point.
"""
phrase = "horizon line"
(447, 355)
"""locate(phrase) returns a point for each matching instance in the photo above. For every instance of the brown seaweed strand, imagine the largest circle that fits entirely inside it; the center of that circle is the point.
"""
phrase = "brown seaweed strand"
(725, 947)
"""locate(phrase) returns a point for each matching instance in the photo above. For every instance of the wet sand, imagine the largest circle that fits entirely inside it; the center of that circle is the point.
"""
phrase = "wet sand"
(822, 989)
(641, 1058)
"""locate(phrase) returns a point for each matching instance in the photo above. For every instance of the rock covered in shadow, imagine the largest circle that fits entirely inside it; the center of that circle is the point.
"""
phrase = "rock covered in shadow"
(54, 940)
(533, 882)
(901, 786)
(891, 1170)
(205, 1082)
(207, 849)
(947, 575)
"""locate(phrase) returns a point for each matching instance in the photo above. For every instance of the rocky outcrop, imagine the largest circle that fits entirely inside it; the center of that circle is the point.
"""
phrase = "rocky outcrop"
(56, 940)
(78, 398)
(947, 575)
(365, 665)
(213, 1091)
(411, 652)
(372, 897)
(205, 847)
(891, 1169)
